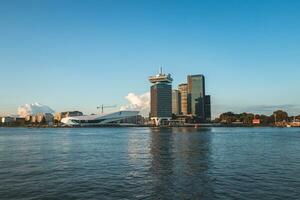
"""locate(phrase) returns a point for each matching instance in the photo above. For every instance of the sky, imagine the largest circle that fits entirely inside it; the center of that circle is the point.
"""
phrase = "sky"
(80, 54)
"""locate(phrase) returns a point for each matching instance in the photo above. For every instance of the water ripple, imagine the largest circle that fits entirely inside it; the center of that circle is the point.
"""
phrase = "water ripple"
(144, 163)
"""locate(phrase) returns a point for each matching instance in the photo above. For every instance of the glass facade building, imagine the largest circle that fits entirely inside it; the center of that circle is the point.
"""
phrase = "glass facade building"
(196, 96)
(176, 102)
(207, 108)
(161, 100)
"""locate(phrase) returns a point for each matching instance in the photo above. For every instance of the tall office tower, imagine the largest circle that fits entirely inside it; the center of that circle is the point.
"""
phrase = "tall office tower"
(196, 96)
(176, 102)
(207, 108)
(183, 89)
(161, 98)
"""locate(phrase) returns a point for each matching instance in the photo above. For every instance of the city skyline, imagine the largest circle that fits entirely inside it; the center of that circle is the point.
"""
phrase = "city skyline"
(73, 55)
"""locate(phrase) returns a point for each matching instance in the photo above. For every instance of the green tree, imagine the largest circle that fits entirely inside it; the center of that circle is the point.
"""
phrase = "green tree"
(265, 120)
(247, 118)
(280, 116)
(228, 117)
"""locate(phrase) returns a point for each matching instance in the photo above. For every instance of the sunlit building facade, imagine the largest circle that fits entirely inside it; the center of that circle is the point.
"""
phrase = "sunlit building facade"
(183, 89)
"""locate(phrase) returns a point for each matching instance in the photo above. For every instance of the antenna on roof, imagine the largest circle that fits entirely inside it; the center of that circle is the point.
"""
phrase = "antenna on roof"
(161, 71)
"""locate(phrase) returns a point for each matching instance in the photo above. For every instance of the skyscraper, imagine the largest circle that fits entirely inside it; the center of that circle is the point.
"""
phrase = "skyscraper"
(207, 108)
(161, 98)
(196, 96)
(183, 89)
(176, 102)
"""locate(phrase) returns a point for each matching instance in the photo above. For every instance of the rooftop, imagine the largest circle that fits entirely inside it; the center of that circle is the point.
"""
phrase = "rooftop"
(161, 77)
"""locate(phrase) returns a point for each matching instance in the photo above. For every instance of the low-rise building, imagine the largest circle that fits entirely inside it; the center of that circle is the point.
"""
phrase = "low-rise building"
(28, 118)
(58, 116)
(138, 119)
(7, 120)
(33, 119)
(19, 121)
(44, 118)
(256, 121)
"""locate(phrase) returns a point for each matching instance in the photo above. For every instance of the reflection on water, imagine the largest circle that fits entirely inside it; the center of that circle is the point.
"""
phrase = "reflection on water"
(162, 161)
(150, 163)
(180, 163)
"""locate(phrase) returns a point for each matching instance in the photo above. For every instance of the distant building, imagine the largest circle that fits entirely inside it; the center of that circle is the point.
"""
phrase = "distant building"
(7, 120)
(39, 117)
(19, 121)
(44, 118)
(176, 102)
(58, 116)
(28, 118)
(98, 120)
(49, 118)
(33, 119)
(207, 108)
(196, 96)
(295, 123)
(183, 89)
(161, 98)
(138, 119)
(256, 121)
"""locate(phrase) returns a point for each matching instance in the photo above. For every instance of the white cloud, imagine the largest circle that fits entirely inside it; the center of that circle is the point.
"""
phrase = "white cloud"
(32, 109)
(138, 102)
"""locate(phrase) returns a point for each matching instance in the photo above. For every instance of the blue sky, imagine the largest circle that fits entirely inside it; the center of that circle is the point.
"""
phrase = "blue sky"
(79, 54)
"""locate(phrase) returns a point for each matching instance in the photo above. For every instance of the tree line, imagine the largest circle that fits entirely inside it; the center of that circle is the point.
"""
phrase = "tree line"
(278, 116)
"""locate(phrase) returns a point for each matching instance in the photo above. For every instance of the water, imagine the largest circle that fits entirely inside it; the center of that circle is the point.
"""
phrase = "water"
(144, 163)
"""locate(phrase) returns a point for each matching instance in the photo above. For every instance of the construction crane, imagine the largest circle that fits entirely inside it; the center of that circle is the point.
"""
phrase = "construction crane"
(103, 106)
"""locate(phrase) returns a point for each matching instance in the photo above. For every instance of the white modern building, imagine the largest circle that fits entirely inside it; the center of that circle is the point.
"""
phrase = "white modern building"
(92, 120)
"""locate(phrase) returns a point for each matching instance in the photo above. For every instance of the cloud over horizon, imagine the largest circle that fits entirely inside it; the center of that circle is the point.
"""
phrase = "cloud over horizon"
(138, 102)
(33, 108)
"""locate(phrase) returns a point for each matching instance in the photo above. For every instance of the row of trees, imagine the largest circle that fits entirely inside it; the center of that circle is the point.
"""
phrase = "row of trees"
(247, 118)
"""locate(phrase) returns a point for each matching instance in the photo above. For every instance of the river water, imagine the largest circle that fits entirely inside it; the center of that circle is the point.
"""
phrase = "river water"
(150, 163)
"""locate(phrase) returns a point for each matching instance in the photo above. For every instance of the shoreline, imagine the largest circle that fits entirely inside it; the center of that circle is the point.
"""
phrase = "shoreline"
(149, 126)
